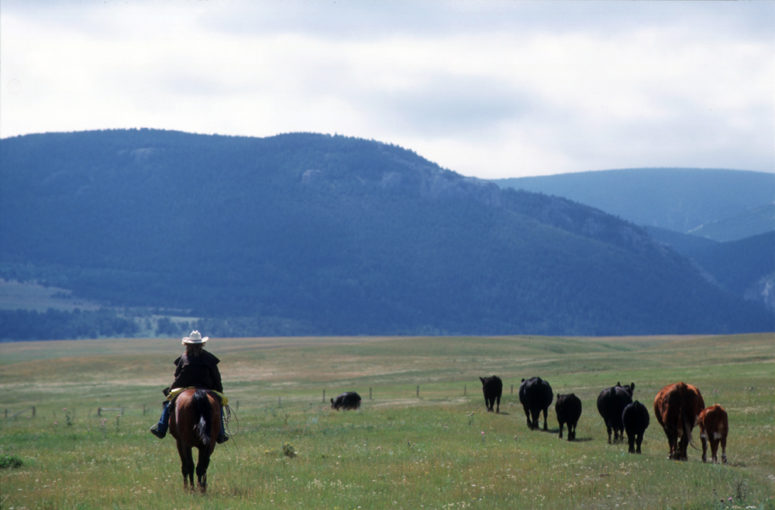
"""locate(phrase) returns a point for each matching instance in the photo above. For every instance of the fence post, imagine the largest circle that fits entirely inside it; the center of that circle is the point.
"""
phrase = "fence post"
(465, 390)
(324, 395)
(144, 409)
(370, 393)
(33, 411)
(512, 389)
(418, 391)
(99, 411)
(279, 402)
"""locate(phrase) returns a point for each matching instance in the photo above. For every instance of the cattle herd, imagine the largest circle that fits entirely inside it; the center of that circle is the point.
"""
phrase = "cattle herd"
(678, 408)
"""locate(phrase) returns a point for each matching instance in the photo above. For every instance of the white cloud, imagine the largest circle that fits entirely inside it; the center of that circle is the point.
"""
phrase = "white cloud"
(484, 88)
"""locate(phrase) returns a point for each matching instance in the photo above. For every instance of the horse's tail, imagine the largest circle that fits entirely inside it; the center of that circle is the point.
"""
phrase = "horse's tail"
(204, 411)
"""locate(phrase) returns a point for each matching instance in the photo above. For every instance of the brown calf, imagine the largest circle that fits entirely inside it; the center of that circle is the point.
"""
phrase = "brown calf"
(714, 427)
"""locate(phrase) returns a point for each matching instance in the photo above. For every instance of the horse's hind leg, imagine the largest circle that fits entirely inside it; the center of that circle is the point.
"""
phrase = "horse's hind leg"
(186, 465)
(201, 469)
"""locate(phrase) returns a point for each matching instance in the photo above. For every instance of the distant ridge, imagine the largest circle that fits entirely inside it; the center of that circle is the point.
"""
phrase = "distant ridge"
(314, 234)
(723, 220)
(745, 267)
(679, 199)
(751, 222)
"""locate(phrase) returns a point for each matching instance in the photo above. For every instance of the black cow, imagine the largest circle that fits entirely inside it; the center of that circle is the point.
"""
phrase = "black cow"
(610, 404)
(492, 387)
(568, 408)
(635, 419)
(536, 396)
(347, 400)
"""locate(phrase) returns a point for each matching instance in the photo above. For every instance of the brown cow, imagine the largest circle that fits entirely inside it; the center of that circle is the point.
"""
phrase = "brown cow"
(676, 407)
(714, 427)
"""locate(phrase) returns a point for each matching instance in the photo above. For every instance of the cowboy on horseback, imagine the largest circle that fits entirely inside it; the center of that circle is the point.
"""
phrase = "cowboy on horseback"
(195, 368)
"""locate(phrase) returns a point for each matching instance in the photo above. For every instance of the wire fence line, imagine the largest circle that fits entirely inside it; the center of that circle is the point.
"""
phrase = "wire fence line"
(274, 401)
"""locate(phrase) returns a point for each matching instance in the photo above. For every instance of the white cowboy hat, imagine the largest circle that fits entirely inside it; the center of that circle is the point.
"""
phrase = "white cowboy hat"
(195, 338)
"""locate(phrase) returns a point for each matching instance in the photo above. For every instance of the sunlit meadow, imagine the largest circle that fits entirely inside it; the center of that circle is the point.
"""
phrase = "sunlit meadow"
(75, 419)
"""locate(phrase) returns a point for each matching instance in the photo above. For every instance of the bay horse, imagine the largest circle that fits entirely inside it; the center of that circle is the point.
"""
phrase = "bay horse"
(195, 422)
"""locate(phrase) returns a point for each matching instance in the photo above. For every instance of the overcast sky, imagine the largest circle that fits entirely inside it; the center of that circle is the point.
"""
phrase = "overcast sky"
(484, 88)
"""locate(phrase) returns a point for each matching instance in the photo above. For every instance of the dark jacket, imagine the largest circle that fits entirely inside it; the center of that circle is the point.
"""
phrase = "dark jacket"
(200, 371)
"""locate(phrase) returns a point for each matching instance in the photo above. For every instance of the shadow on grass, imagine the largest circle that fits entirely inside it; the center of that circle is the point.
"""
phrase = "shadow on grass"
(554, 431)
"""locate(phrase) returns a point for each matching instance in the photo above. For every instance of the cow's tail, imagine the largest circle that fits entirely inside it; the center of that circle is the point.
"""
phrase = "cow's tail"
(688, 425)
(202, 425)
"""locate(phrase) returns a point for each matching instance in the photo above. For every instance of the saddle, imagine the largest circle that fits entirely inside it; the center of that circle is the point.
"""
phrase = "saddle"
(174, 392)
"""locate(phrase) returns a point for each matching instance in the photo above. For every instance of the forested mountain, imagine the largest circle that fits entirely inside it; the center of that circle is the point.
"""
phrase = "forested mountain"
(317, 234)
(745, 267)
(724, 205)
(723, 220)
(749, 223)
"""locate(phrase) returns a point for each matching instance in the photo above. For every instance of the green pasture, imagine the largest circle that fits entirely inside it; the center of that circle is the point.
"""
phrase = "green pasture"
(423, 439)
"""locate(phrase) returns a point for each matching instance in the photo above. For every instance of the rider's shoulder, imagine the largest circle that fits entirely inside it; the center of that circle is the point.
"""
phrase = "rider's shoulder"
(210, 357)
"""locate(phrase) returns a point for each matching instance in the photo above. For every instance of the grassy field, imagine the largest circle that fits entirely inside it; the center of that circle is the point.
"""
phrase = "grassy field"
(423, 440)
